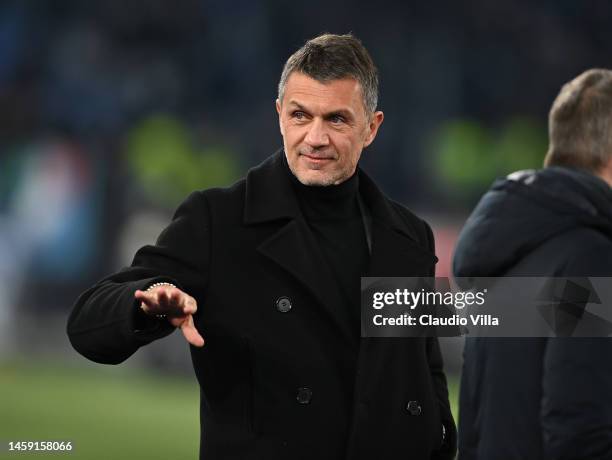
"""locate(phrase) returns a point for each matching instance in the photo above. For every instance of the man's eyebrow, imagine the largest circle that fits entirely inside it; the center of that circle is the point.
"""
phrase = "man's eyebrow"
(342, 112)
(298, 105)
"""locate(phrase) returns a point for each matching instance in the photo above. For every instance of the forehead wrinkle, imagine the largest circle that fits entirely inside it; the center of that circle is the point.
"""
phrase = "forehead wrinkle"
(301, 89)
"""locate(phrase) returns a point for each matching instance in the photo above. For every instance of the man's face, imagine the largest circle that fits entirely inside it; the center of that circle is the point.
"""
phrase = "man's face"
(325, 127)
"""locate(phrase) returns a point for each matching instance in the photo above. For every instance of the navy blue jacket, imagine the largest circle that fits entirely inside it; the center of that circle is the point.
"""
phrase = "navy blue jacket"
(537, 398)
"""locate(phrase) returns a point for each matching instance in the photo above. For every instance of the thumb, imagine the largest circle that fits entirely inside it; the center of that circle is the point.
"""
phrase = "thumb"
(191, 333)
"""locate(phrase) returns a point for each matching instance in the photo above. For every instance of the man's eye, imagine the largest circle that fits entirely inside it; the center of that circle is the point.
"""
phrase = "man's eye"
(336, 119)
(298, 115)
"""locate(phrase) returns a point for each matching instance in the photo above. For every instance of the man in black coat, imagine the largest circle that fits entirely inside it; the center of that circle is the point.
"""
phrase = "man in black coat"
(267, 273)
(540, 398)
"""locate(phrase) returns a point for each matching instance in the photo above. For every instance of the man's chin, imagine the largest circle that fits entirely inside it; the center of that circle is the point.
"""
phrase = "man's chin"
(318, 178)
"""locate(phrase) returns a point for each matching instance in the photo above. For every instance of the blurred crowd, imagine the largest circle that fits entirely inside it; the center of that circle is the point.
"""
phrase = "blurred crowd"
(112, 111)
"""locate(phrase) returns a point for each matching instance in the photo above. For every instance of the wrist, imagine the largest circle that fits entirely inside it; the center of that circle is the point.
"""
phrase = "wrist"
(164, 283)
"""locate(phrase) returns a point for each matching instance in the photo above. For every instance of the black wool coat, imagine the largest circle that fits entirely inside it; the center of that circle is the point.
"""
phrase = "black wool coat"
(282, 375)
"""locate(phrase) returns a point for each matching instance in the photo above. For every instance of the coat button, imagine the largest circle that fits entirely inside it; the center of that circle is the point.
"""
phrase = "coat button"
(414, 408)
(304, 395)
(283, 304)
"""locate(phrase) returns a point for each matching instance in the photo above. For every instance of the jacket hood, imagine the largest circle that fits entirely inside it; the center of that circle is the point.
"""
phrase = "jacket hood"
(525, 209)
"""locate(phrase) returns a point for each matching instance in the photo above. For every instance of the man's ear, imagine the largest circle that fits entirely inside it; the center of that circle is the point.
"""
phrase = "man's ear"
(375, 121)
(278, 110)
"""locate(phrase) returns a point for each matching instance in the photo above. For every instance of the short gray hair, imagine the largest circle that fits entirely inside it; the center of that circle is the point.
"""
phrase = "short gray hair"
(580, 123)
(332, 57)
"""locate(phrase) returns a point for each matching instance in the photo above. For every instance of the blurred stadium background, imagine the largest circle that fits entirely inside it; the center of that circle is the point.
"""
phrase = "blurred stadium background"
(112, 111)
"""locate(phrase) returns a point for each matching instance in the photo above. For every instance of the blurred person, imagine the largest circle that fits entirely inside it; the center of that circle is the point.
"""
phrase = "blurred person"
(44, 244)
(268, 273)
(544, 398)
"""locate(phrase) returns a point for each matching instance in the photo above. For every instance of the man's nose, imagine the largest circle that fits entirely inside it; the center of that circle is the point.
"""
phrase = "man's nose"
(317, 135)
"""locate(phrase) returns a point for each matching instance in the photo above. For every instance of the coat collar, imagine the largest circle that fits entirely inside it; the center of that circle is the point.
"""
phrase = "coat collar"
(269, 193)
(270, 196)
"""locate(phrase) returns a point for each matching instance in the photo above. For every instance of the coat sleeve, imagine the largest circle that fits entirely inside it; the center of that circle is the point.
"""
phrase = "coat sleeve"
(576, 406)
(449, 446)
(104, 324)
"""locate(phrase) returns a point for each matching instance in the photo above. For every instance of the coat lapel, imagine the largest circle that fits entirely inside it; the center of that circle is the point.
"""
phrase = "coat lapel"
(270, 197)
(397, 251)
(394, 254)
(397, 248)
(294, 248)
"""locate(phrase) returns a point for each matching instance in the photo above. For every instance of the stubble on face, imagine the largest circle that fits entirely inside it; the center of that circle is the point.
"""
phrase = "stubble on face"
(318, 172)
(324, 126)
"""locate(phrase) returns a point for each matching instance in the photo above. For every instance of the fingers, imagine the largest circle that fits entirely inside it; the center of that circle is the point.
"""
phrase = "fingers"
(145, 297)
(168, 298)
(190, 305)
(177, 305)
(191, 333)
(165, 300)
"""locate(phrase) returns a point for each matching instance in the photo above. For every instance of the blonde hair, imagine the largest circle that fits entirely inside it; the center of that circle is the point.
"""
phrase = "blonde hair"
(580, 123)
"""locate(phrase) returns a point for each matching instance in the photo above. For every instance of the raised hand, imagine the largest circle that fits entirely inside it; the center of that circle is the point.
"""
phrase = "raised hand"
(176, 305)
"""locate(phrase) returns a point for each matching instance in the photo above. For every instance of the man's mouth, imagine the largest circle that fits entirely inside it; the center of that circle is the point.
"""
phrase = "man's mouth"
(317, 158)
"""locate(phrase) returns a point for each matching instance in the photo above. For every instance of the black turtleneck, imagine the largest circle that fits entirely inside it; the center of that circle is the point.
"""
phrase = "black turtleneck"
(334, 217)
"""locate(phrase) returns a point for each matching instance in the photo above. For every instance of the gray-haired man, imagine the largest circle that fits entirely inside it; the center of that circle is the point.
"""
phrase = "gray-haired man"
(268, 273)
